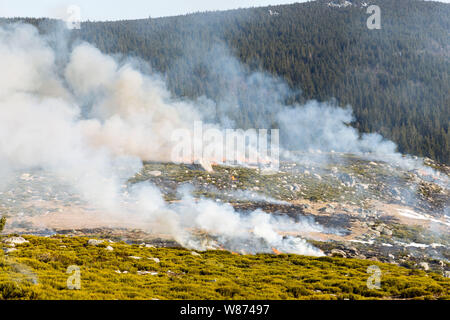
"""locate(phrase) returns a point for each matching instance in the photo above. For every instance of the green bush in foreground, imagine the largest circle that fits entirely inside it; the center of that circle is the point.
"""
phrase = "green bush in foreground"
(2, 223)
(38, 270)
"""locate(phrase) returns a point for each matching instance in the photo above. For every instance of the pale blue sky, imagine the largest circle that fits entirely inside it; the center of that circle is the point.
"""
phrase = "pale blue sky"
(123, 9)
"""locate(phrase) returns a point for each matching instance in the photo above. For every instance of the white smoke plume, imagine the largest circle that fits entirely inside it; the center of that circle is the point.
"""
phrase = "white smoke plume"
(245, 98)
(233, 230)
(92, 124)
(91, 120)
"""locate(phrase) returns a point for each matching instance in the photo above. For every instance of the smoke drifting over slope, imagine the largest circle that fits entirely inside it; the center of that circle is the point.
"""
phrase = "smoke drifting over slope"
(242, 99)
(91, 120)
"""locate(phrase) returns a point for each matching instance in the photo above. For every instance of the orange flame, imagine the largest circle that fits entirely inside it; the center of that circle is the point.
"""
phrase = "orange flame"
(277, 252)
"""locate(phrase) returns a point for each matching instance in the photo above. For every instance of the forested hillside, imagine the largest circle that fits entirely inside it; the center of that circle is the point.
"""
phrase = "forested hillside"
(396, 79)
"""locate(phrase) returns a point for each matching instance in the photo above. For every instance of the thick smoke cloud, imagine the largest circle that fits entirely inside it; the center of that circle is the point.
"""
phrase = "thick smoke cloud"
(91, 120)
(245, 98)
(92, 123)
(248, 99)
(318, 126)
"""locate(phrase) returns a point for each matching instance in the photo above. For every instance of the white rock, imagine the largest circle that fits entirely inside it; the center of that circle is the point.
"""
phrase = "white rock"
(424, 266)
(95, 242)
(143, 273)
(135, 258)
(109, 248)
(338, 253)
(9, 250)
(386, 231)
(15, 240)
(155, 259)
(195, 254)
(155, 173)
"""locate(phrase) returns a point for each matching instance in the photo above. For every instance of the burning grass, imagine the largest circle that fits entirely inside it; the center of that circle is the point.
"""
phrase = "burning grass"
(132, 272)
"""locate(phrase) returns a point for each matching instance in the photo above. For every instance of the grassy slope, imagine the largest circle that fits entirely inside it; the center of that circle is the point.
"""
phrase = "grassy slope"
(212, 275)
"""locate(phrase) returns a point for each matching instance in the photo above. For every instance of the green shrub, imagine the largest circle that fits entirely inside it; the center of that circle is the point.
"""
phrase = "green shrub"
(11, 290)
(413, 292)
(228, 292)
(299, 291)
(2, 223)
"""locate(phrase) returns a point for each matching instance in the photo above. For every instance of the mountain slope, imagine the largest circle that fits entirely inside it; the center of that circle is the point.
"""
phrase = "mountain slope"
(396, 79)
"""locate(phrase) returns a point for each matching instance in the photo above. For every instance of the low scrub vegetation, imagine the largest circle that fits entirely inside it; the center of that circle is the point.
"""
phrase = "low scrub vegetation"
(38, 270)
